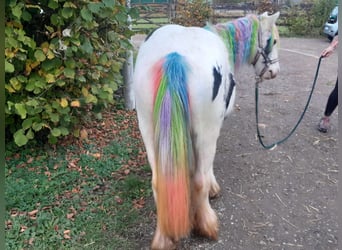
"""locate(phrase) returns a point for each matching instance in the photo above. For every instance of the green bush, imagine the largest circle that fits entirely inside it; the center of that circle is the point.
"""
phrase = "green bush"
(309, 18)
(62, 63)
(192, 13)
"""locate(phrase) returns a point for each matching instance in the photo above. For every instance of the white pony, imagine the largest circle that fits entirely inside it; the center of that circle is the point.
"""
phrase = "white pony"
(184, 88)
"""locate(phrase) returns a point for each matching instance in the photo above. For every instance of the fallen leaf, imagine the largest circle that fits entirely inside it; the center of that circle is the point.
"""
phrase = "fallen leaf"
(96, 155)
(22, 228)
(84, 134)
(70, 216)
(8, 224)
(30, 160)
(14, 213)
(31, 241)
(47, 173)
(118, 200)
(66, 234)
(140, 203)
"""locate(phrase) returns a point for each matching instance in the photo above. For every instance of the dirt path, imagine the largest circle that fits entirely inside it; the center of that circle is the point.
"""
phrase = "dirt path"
(284, 198)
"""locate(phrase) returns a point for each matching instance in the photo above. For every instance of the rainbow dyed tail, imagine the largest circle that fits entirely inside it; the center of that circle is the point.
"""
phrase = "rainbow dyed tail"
(173, 146)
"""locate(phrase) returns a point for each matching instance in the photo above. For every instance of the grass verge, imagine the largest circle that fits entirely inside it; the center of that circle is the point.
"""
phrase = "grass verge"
(86, 194)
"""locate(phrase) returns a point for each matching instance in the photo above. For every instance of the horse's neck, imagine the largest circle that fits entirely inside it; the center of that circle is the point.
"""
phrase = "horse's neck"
(241, 39)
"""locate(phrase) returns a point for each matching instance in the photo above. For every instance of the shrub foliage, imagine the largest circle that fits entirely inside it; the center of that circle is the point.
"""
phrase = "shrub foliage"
(62, 62)
(309, 17)
(192, 13)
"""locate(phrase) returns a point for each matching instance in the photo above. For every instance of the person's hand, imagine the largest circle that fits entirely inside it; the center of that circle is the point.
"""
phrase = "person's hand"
(327, 52)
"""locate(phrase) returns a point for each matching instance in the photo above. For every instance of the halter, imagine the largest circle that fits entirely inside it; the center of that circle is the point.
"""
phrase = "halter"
(262, 51)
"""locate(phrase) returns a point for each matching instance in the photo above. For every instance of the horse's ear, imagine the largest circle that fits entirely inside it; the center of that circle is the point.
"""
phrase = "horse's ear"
(265, 14)
(274, 17)
(269, 21)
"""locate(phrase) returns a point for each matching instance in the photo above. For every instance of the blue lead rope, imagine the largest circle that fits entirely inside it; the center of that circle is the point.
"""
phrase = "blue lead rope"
(274, 145)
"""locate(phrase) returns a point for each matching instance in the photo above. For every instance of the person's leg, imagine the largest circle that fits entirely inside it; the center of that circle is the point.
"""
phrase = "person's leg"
(332, 103)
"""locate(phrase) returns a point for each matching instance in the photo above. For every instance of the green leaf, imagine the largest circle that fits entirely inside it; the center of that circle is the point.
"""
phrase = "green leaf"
(16, 11)
(22, 78)
(109, 3)
(86, 14)
(15, 83)
(49, 28)
(67, 12)
(91, 98)
(87, 47)
(54, 117)
(37, 126)
(19, 138)
(96, 75)
(103, 59)
(64, 131)
(81, 78)
(70, 63)
(69, 73)
(50, 78)
(69, 5)
(54, 63)
(53, 4)
(21, 109)
(30, 134)
(26, 16)
(60, 83)
(27, 123)
(95, 7)
(56, 20)
(39, 55)
(32, 102)
(11, 42)
(9, 68)
(52, 139)
(30, 86)
(56, 132)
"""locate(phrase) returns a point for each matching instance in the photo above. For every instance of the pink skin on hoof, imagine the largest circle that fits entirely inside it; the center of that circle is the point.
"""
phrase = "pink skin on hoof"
(214, 190)
(162, 242)
(205, 224)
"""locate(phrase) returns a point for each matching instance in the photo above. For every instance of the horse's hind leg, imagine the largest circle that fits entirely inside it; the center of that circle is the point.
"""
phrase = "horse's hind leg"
(205, 185)
(160, 240)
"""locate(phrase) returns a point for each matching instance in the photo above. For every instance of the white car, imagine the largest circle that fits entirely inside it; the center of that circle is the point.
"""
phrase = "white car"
(331, 26)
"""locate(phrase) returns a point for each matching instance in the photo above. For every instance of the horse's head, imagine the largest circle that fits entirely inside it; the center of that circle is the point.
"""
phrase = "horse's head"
(266, 62)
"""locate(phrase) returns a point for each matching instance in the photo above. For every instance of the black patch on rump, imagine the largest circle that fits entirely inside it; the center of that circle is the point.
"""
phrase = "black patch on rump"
(231, 88)
(217, 81)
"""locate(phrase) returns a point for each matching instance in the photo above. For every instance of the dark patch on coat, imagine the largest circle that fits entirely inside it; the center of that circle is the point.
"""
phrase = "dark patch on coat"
(217, 81)
(231, 88)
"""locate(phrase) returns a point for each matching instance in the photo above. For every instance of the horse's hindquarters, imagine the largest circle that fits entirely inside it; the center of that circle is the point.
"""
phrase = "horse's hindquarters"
(172, 61)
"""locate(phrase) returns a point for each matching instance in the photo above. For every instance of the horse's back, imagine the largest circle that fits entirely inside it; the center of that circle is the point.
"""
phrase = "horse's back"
(204, 52)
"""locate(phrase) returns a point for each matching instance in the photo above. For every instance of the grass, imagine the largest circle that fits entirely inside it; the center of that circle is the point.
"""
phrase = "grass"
(79, 195)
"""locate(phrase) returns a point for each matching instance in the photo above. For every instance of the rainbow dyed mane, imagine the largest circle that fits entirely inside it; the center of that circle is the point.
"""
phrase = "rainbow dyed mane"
(240, 37)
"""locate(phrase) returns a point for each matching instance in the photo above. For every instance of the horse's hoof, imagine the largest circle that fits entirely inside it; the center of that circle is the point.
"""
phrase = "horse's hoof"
(206, 225)
(162, 242)
(214, 190)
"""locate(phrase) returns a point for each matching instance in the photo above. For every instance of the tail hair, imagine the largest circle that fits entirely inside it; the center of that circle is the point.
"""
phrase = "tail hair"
(173, 146)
